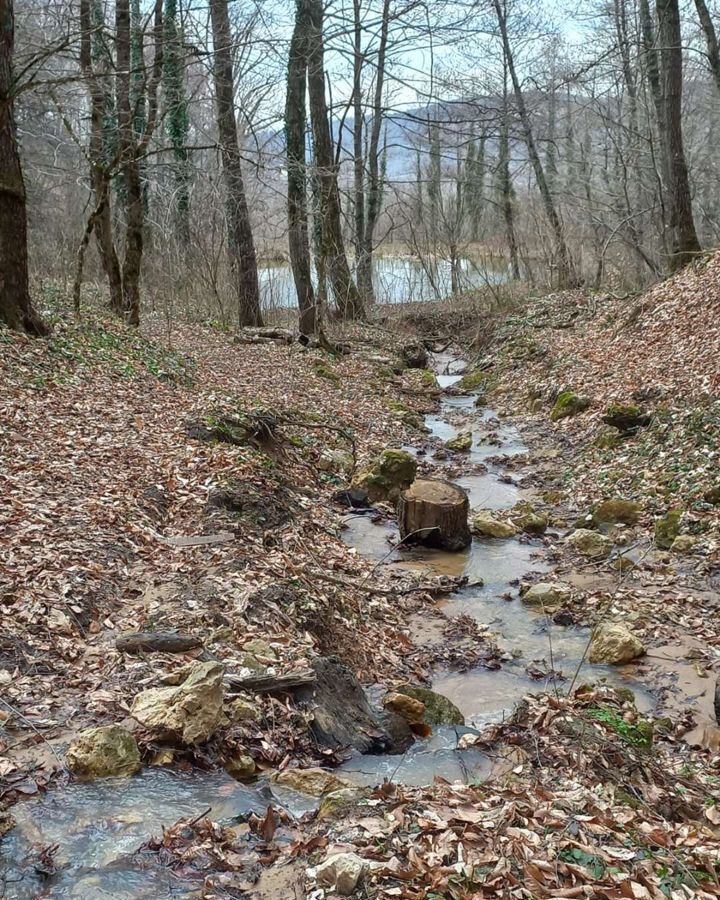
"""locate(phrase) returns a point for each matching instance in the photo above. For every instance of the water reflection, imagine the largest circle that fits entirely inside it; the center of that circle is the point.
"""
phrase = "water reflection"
(397, 279)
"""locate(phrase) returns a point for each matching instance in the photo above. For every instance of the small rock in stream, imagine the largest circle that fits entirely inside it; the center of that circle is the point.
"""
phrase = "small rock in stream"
(105, 752)
(613, 643)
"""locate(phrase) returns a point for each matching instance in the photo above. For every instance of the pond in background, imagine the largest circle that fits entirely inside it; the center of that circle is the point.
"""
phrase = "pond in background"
(397, 279)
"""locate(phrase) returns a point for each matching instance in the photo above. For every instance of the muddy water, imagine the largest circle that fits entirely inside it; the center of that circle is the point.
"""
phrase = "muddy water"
(537, 655)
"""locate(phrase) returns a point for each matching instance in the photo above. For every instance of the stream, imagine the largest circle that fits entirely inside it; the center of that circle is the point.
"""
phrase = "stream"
(493, 569)
(99, 826)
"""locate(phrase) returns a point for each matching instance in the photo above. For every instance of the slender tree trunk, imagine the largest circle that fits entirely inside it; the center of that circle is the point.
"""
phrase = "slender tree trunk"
(16, 309)
(711, 40)
(243, 259)
(506, 186)
(565, 269)
(364, 285)
(684, 241)
(295, 124)
(346, 293)
(375, 174)
(130, 168)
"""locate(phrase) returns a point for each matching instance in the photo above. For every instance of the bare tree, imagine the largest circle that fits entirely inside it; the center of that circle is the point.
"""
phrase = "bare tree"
(241, 243)
(333, 246)
(565, 268)
(295, 127)
(16, 309)
(711, 40)
(684, 241)
(117, 149)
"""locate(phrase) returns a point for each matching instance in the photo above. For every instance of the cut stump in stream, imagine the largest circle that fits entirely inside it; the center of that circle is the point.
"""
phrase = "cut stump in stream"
(435, 513)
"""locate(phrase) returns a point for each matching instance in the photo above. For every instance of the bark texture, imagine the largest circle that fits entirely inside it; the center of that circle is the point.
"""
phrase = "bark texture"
(295, 124)
(16, 309)
(346, 293)
(435, 513)
(241, 245)
(684, 243)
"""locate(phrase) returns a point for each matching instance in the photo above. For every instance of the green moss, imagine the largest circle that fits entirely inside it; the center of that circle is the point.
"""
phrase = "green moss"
(667, 528)
(625, 416)
(438, 709)
(429, 378)
(388, 476)
(461, 443)
(638, 733)
(568, 404)
(612, 512)
(473, 380)
(323, 371)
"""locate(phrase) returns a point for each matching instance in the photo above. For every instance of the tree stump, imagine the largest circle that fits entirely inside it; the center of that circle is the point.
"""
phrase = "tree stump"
(435, 513)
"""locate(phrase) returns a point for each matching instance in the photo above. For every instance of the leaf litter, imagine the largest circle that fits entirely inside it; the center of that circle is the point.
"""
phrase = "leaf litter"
(100, 475)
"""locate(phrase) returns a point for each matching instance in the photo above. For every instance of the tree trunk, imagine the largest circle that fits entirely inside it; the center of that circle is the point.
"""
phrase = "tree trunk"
(16, 309)
(684, 241)
(361, 269)
(243, 260)
(652, 66)
(96, 79)
(435, 513)
(711, 40)
(375, 179)
(567, 277)
(506, 187)
(295, 124)
(132, 183)
(346, 293)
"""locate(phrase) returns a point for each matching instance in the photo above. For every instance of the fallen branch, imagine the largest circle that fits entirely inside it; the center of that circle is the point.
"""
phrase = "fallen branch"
(193, 540)
(268, 684)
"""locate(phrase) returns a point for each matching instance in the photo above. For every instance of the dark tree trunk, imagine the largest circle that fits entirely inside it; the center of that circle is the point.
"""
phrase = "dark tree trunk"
(652, 65)
(684, 241)
(374, 187)
(346, 293)
(241, 245)
(99, 175)
(130, 169)
(363, 274)
(295, 124)
(565, 268)
(506, 186)
(711, 40)
(16, 308)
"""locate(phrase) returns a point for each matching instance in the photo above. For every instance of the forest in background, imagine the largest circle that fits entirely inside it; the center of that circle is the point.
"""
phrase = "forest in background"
(177, 155)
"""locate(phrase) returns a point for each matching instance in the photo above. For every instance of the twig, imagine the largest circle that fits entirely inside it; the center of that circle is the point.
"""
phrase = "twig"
(42, 737)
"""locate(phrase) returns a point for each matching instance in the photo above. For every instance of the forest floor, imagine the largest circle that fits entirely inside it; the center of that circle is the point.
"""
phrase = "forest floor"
(107, 485)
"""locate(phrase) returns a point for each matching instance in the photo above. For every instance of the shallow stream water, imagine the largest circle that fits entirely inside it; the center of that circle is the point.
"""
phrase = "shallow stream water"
(493, 568)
